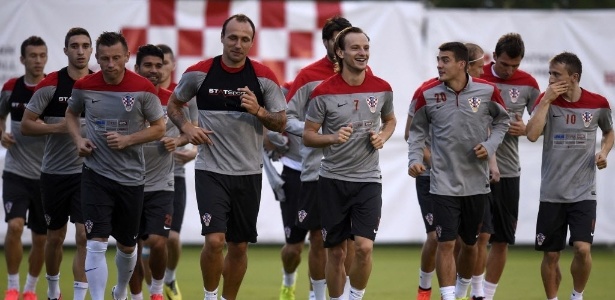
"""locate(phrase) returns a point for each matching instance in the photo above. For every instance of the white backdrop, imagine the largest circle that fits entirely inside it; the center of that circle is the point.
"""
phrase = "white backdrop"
(404, 39)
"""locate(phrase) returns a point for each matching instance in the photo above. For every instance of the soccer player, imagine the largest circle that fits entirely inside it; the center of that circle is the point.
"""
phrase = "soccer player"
(21, 191)
(568, 116)
(61, 167)
(349, 107)
(458, 110)
(117, 104)
(519, 91)
(168, 67)
(236, 97)
(301, 213)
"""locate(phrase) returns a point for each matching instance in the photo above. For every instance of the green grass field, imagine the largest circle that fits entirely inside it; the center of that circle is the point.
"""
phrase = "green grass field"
(394, 274)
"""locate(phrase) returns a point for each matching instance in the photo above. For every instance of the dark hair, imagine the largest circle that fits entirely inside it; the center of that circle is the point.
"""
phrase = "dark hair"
(148, 50)
(241, 18)
(570, 60)
(460, 51)
(474, 52)
(166, 49)
(340, 43)
(31, 41)
(76, 31)
(511, 44)
(332, 25)
(111, 38)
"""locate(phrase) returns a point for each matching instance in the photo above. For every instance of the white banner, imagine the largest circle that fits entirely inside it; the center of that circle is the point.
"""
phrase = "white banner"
(404, 40)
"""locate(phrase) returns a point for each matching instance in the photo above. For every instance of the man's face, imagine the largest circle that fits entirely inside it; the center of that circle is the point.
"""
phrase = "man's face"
(112, 61)
(236, 42)
(505, 66)
(79, 51)
(475, 69)
(35, 60)
(330, 46)
(558, 73)
(355, 54)
(151, 68)
(168, 66)
(448, 68)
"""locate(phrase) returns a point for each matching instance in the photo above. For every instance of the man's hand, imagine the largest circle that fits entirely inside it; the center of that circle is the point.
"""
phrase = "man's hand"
(343, 134)
(376, 140)
(197, 135)
(7, 140)
(600, 160)
(85, 147)
(169, 143)
(554, 90)
(481, 152)
(517, 127)
(416, 169)
(249, 101)
(116, 141)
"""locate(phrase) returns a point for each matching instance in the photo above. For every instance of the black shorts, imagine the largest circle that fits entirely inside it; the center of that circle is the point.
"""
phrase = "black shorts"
(22, 196)
(461, 216)
(61, 194)
(110, 208)
(349, 209)
(487, 226)
(505, 209)
(179, 203)
(308, 212)
(229, 204)
(555, 218)
(157, 214)
(425, 202)
(289, 208)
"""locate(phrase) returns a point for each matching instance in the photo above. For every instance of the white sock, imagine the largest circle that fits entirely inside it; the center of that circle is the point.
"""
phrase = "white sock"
(477, 286)
(553, 298)
(340, 298)
(356, 294)
(320, 288)
(53, 286)
(312, 296)
(288, 279)
(138, 296)
(489, 289)
(425, 279)
(156, 288)
(169, 276)
(346, 293)
(447, 292)
(576, 295)
(211, 295)
(96, 268)
(13, 282)
(125, 263)
(461, 288)
(80, 289)
(30, 285)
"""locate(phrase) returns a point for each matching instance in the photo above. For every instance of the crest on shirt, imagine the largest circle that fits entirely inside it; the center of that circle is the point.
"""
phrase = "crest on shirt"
(372, 102)
(429, 218)
(206, 219)
(514, 94)
(128, 101)
(474, 103)
(302, 215)
(540, 238)
(8, 206)
(587, 118)
(88, 225)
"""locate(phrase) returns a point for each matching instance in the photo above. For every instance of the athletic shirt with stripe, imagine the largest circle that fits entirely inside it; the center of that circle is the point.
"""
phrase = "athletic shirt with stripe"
(411, 114)
(298, 96)
(122, 108)
(459, 122)
(158, 161)
(237, 135)
(49, 101)
(335, 104)
(191, 112)
(25, 157)
(568, 172)
(519, 93)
